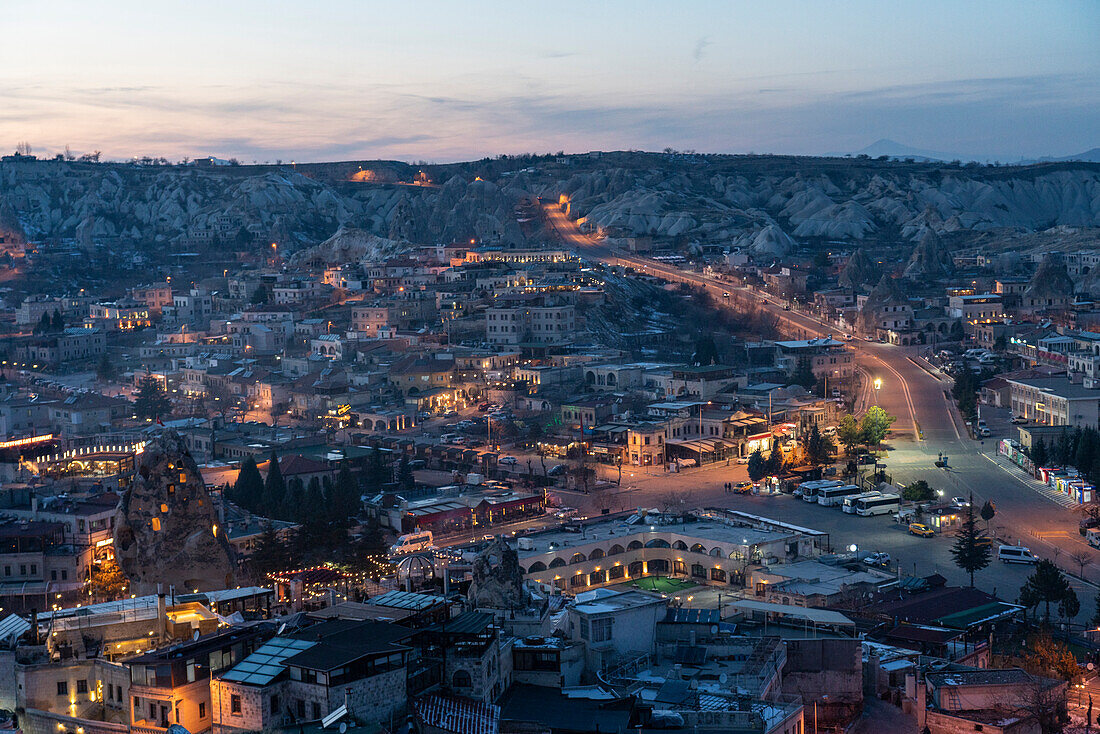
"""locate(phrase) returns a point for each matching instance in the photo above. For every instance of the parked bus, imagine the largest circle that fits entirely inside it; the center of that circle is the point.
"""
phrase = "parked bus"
(850, 501)
(884, 504)
(810, 489)
(829, 496)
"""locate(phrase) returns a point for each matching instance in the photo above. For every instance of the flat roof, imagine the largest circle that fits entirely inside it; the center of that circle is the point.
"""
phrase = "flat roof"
(1058, 386)
(809, 614)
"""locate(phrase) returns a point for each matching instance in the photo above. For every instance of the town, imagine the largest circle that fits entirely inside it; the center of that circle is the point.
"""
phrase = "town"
(578, 480)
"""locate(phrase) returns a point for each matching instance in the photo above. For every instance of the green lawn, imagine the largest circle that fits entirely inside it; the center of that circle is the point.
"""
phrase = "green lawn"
(663, 584)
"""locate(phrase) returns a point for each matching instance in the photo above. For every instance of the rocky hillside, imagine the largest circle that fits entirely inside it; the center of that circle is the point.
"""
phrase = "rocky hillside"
(766, 204)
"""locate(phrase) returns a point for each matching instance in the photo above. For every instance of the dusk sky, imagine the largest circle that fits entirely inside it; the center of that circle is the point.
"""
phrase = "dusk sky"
(444, 81)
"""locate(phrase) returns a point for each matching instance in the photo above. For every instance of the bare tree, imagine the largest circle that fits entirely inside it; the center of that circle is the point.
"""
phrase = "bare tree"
(1082, 559)
(1042, 700)
(22, 148)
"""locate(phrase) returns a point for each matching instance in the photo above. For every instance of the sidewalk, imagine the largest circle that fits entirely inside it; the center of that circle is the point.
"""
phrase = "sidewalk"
(1054, 496)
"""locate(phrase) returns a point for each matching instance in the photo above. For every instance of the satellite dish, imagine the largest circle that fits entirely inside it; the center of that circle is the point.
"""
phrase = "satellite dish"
(714, 629)
(723, 678)
(281, 628)
(195, 635)
(1091, 666)
(343, 727)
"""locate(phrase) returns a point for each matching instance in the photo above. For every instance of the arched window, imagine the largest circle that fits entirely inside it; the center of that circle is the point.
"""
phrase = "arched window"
(537, 566)
(615, 550)
(717, 552)
(578, 558)
(461, 679)
(657, 565)
(657, 543)
(680, 545)
(595, 554)
(557, 563)
(698, 548)
(634, 545)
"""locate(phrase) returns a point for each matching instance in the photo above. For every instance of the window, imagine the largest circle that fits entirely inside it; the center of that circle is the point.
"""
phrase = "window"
(275, 705)
(235, 704)
(7, 570)
(601, 629)
(64, 575)
(53, 575)
(461, 679)
(82, 686)
(316, 710)
(202, 709)
(301, 709)
(22, 569)
(62, 688)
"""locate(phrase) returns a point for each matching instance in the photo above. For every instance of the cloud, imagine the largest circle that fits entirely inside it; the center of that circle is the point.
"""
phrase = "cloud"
(700, 49)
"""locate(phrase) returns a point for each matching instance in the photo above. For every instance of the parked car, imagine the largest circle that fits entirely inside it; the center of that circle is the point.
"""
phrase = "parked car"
(508, 460)
(743, 487)
(450, 413)
(556, 470)
(483, 407)
(920, 529)
(742, 460)
(1087, 524)
(866, 459)
(960, 502)
(877, 559)
(1018, 420)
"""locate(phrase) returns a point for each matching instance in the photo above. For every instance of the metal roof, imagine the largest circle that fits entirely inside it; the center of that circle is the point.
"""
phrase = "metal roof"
(13, 626)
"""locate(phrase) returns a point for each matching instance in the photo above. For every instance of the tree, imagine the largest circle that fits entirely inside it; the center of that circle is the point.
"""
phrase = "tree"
(1069, 606)
(294, 500)
(44, 324)
(849, 433)
(775, 461)
(965, 391)
(1039, 455)
(803, 374)
(918, 491)
(1045, 586)
(105, 368)
(151, 401)
(248, 490)
(261, 294)
(57, 323)
(1049, 657)
(819, 448)
(345, 500)
(107, 581)
(706, 351)
(757, 466)
(274, 494)
(988, 511)
(969, 552)
(376, 474)
(874, 425)
(405, 478)
(271, 553)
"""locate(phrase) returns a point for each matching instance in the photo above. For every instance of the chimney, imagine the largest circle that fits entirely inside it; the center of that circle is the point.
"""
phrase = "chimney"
(162, 613)
(446, 582)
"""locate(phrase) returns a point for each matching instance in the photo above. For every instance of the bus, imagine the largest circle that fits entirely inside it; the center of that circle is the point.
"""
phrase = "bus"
(810, 489)
(850, 501)
(884, 504)
(829, 496)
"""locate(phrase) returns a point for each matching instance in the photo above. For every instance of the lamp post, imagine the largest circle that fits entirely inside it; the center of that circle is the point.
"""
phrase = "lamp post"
(878, 386)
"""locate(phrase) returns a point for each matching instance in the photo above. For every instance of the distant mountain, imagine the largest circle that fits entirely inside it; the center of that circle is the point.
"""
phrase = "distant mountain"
(894, 149)
(1089, 156)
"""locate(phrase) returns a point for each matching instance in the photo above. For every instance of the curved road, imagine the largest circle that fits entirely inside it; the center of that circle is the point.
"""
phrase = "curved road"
(928, 423)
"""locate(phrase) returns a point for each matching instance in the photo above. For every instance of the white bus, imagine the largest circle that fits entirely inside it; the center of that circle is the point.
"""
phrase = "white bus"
(810, 489)
(884, 504)
(850, 501)
(411, 543)
(829, 496)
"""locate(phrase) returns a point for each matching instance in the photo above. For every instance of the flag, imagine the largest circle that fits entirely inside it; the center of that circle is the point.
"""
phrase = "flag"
(159, 421)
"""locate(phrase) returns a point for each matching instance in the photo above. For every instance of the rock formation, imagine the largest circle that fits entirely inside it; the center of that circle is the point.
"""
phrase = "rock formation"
(348, 245)
(498, 586)
(931, 260)
(167, 531)
(769, 242)
(1051, 279)
(887, 292)
(858, 272)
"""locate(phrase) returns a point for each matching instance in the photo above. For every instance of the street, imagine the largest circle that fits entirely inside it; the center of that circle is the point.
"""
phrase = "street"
(928, 425)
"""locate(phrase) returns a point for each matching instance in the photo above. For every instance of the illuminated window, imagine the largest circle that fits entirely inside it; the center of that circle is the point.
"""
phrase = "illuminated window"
(156, 524)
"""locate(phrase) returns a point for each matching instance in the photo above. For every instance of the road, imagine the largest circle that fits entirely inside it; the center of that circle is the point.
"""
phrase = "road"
(928, 424)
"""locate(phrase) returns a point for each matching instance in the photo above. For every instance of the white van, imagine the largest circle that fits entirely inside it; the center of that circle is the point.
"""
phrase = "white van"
(411, 543)
(1015, 554)
(1093, 537)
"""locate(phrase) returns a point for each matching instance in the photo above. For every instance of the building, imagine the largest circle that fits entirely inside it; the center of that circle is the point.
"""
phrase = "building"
(1054, 401)
(530, 318)
(306, 675)
(614, 626)
(86, 345)
(828, 358)
(975, 309)
(122, 315)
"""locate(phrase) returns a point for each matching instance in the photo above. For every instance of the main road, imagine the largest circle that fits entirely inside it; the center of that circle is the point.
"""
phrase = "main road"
(928, 423)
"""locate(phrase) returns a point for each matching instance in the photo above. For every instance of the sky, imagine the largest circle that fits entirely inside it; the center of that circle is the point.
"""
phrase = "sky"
(445, 81)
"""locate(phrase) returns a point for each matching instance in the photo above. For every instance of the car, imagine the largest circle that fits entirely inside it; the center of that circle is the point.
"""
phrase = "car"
(984, 433)
(483, 407)
(877, 559)
(508, 460)
(836, 392)
(866, 459)
(450, 413)
(1018, 420)
(960, 502)
(726, 294)
(488, 536)
(743, 487)
(742, 459)
(556, 470)
(920, 529)
(983, 541)
(1087, 524)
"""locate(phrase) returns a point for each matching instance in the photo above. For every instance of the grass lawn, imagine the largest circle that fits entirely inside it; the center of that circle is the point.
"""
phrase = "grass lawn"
(662, 584)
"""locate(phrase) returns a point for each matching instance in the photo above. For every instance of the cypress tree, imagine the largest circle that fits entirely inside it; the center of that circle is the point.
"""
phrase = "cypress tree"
(274, 487)
(1039, 455)
(969, 552)
(249, 488)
